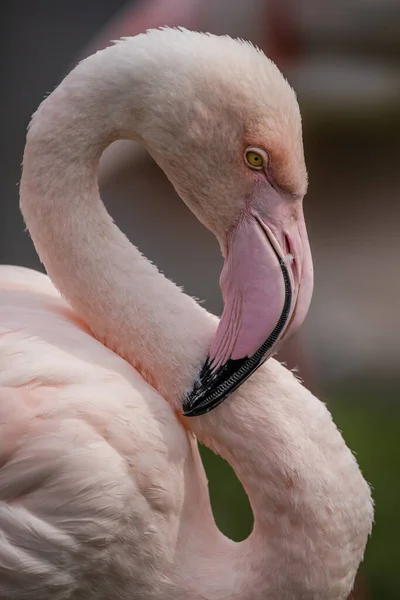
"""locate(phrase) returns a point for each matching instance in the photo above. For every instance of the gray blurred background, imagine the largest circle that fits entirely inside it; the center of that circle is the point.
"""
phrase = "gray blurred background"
(343, 60)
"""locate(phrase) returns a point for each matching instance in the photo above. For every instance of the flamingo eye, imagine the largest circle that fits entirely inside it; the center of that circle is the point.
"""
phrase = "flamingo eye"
(255, 158)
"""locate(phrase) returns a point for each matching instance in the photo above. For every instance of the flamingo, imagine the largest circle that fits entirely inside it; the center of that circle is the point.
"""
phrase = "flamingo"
(110, 373)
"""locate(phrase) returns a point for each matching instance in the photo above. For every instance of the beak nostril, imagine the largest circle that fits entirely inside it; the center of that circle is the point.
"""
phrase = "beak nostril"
(291, 258)
(295, 263)
(287, 245)
(289, 254)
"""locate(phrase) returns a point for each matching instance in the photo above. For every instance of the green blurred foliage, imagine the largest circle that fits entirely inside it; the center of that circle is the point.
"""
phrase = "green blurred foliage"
(230, 504)
(371, 427)
(373, 433)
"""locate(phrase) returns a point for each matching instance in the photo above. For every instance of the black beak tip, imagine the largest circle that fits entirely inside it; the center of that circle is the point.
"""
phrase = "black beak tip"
(191, 410)
(212, 387)
(196, 403)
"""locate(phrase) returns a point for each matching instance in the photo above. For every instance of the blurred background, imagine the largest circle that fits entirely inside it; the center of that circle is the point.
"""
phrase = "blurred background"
(342, 58)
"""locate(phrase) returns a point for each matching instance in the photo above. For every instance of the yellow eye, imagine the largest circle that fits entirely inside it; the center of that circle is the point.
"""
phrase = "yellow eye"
(254, 159)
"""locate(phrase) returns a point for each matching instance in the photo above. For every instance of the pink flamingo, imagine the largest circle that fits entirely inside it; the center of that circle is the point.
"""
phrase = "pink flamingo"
(103, 494)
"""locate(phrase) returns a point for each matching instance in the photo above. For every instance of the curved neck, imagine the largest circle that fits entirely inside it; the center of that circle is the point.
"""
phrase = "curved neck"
(127, 303)
(277, 436)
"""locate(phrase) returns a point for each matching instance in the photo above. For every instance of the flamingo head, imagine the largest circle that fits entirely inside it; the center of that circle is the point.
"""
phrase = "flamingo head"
(225, 126)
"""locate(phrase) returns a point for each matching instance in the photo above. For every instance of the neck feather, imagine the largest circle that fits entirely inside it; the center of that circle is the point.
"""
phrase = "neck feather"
(310, 502)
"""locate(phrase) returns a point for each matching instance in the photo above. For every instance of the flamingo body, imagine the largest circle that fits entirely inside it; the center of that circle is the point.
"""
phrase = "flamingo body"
(94, 461)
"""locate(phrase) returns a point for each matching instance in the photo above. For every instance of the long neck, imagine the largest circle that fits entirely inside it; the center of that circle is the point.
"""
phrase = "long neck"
(310, 502)
(127, 303)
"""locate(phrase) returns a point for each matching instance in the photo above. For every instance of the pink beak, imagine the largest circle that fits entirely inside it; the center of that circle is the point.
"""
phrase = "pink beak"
(266, 283)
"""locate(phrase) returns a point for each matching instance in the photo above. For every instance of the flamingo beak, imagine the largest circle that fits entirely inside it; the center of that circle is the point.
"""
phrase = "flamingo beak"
(266, 283)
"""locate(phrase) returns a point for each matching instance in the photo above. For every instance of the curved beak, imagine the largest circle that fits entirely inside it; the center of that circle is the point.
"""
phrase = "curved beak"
(266, 283)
